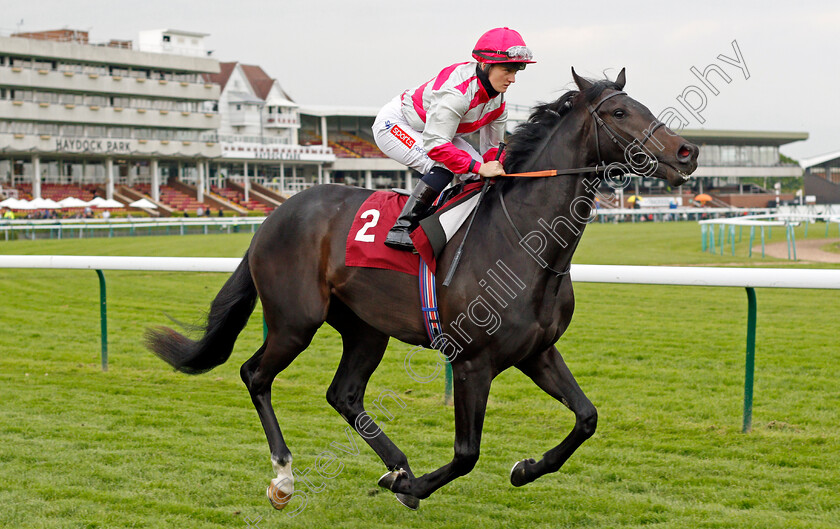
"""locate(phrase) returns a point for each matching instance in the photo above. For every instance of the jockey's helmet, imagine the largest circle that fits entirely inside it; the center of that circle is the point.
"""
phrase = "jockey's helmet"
(502, 45)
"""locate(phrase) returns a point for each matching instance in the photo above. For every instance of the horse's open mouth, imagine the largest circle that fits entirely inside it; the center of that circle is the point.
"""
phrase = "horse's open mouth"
(671, 174)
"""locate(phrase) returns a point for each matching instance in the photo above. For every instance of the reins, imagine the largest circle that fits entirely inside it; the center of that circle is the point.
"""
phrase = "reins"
(555, 172)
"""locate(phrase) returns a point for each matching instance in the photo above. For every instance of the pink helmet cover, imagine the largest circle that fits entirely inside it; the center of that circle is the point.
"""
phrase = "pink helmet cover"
(502, 45)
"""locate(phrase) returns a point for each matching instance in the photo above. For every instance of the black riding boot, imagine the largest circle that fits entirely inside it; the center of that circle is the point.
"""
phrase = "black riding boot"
(413, 212)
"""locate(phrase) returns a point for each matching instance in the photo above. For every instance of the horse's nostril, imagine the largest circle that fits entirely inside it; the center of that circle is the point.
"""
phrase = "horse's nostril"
(684, 152)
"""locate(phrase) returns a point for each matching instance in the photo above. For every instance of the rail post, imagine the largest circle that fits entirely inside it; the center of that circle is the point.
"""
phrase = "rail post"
(752, 238)
(712, 240)
(762, 242)
(732, 238)
(447, 390)
(749, 368)
(103, 316)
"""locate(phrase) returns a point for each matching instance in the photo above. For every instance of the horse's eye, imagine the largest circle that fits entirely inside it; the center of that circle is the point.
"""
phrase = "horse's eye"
(618, 113)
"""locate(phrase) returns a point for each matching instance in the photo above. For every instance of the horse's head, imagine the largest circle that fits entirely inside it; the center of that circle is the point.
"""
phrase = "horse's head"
(627, 133)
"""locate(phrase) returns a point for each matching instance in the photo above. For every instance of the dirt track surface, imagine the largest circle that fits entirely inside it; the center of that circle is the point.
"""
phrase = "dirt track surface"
(806, 250)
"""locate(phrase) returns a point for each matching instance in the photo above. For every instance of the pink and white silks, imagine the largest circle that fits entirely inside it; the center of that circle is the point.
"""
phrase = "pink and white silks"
(422, 127)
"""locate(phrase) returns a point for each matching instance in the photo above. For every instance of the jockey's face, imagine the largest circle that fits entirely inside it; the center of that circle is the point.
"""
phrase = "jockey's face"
(501, 76)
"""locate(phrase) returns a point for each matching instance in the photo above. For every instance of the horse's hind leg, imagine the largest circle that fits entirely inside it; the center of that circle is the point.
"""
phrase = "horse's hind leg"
(549, 372)
(364, 347)
(283, 344)
(471, 387)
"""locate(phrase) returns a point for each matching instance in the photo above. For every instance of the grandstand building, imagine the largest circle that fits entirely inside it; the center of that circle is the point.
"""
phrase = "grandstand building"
(358, 161)
(822, 178)
(258, 133)
(168, 122)
(736, 165)
(78, 117)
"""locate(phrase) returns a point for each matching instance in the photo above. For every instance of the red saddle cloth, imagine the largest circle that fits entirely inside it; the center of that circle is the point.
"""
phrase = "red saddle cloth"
(366, 240)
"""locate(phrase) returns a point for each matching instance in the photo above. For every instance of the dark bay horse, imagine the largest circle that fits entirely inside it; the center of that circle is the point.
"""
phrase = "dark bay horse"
(296, 265)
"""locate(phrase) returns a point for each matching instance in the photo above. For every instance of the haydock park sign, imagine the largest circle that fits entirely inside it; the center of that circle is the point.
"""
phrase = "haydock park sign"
(104, 146)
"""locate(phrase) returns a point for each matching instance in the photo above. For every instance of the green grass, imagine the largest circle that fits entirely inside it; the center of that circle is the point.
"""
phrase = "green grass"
(142, 446)
(833, 247)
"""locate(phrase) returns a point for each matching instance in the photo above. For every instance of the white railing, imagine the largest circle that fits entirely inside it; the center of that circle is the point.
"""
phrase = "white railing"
(81, 228)
(790, 220)
(87, 262)
(749, 278)
(697, 276)
(701, 276)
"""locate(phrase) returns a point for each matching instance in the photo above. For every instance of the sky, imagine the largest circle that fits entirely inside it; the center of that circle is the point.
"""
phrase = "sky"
(364, 52)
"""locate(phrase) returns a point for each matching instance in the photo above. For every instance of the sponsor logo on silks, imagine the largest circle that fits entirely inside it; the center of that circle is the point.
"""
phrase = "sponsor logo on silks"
(400, 134)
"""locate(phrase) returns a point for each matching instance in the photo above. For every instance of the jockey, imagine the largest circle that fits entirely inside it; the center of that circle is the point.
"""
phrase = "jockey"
(422, 127)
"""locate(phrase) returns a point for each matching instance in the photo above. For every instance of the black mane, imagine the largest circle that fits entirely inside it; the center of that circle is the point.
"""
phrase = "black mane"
(527, 137)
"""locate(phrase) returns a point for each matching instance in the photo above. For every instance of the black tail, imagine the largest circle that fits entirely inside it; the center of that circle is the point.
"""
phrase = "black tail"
(229, 313)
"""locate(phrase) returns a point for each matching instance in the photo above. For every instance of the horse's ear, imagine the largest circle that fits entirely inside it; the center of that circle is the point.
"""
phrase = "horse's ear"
(621, 79)
(582, 83)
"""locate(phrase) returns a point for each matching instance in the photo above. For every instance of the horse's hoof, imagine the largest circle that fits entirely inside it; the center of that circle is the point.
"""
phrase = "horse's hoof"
(412, 502)
(517, 473)
(279, 492)
(389, 478)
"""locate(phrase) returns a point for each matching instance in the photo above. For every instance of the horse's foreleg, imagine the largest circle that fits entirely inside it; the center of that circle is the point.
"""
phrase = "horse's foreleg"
(471, 388)
(258, 373)
(549, 372)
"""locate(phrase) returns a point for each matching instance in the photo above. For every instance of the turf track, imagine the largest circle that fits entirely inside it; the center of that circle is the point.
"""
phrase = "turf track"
(141, 446)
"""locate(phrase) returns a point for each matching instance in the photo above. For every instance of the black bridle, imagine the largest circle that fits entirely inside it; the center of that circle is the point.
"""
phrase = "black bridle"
(612, 133)
(623, 143)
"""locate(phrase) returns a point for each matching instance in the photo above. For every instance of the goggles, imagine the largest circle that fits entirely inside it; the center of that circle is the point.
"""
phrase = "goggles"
(519, 54)
(512, 54)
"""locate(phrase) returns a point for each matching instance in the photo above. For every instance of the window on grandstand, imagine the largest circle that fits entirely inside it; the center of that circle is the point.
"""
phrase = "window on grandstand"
(117, 71)
(21, 62)
(45, 97)
(72, 130)
(97, 100)
(43, 65)
(21, 127)
(71, 99)
(94, 69)
(769, 155)
(728, 154)
(70, 67)
(709, 155)
(22, 95)
(139, 73)
(47, 128)
(119, 132)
